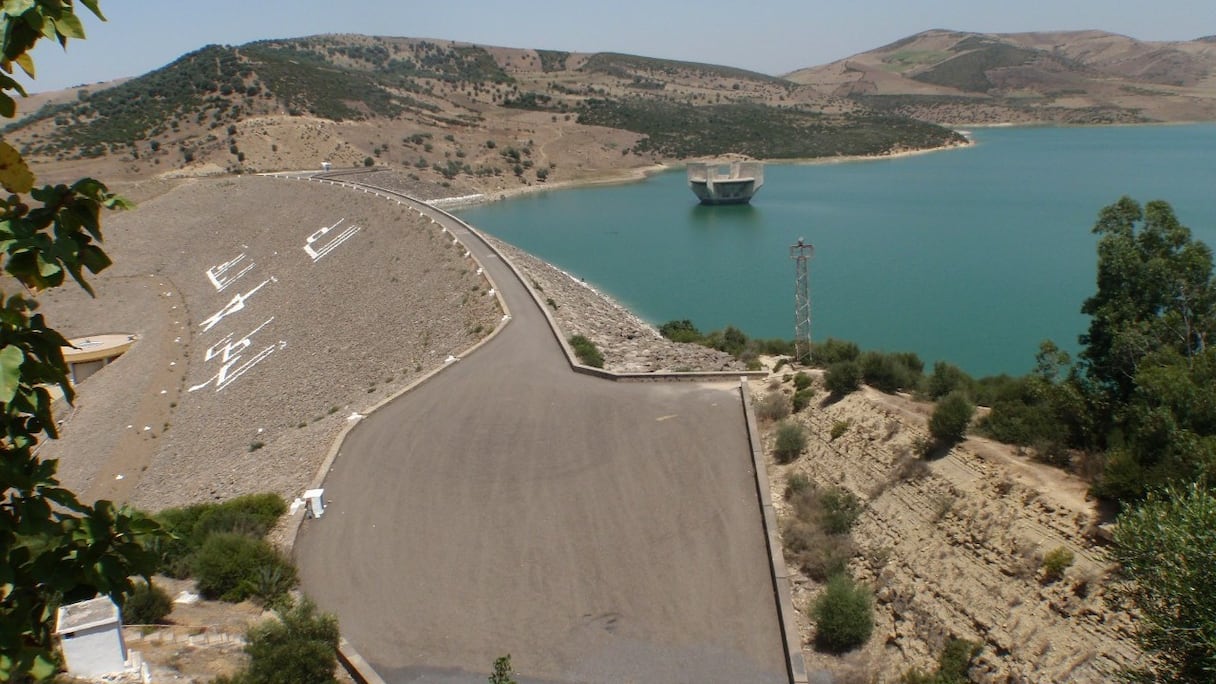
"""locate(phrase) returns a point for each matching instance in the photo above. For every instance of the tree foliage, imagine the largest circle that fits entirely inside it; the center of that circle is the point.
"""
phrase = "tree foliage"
(53, 547)
(300, 646)
(1167, 549)
(950, 418)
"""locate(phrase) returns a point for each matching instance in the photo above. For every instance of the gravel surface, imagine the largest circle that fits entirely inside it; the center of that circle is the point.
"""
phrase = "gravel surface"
(629, 344)
(336, 336)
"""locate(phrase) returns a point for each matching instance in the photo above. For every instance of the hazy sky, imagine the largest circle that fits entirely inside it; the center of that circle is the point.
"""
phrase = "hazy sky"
(770, 36)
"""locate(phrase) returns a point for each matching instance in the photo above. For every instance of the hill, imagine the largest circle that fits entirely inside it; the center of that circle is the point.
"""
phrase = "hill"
(465, 117)
(1064, 77)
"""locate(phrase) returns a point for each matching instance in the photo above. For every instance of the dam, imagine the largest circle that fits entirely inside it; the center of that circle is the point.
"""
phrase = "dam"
(728, 183)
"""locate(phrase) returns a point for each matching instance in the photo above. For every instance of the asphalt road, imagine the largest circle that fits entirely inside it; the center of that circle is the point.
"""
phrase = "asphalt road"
(596, 531)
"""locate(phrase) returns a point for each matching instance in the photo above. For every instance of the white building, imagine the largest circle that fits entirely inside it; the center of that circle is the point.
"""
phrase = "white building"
(91, 635)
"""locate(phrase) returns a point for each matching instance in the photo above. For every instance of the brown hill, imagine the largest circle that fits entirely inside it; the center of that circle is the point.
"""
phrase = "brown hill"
(1069, 77)
(460, 116)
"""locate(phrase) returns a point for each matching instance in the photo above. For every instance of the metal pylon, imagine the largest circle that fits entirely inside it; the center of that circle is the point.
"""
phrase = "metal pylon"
(801, 253)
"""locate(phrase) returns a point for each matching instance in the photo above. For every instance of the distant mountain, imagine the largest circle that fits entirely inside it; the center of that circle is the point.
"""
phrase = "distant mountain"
(1072, 76)
(453, 113)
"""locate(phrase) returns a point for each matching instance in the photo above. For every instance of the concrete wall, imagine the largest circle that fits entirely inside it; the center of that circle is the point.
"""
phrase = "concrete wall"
(95, 651)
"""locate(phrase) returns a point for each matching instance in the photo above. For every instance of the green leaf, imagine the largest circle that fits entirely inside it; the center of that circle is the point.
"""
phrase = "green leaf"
(17, 7)
(8, 106)
(92, 5)
(10, 372)
(69, 26)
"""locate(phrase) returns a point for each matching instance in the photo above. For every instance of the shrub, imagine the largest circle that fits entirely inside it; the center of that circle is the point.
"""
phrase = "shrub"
(832, 351)
(844, 615)
(791, 440)
(586, 351)
(147, 605)
(1055, 562)
(796, 483)
(368, 161)
(233, 567)
(802, 398)
(953, 665)
(301, 646)
(842, 378)
(802, 380)
(839, 428)
(807, 546)
(839, 509)
(251, 515)
(891, 372)
(773, 406)
(502, 671)
(948, 424)
(947, 378)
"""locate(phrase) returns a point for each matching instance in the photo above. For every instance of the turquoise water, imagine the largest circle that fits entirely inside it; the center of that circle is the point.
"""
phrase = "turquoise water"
(972, 256)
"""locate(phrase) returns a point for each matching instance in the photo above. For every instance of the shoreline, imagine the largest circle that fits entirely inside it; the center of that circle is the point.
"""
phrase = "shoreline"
(638, 174)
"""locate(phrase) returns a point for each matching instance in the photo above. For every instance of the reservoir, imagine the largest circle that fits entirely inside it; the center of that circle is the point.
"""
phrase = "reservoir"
(971, 256)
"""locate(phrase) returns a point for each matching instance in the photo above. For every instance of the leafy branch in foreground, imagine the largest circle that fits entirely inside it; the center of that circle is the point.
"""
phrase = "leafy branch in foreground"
(53, 547)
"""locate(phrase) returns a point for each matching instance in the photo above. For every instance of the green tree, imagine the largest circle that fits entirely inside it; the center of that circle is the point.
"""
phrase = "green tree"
(950, 418)
(1167, 550)
(53, 547)
(1155, 293)
(1148, 370)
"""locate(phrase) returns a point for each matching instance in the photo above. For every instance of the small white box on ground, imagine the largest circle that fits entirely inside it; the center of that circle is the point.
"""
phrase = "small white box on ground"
(314, 502)
(91, 635)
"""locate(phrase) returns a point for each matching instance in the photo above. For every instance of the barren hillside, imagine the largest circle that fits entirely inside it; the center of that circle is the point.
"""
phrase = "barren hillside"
(1067, 77)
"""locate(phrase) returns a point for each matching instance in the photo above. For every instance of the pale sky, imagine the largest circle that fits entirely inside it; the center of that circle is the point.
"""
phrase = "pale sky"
(772, 37)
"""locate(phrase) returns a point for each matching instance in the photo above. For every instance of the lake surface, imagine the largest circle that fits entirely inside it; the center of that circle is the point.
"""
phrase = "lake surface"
(971, 256)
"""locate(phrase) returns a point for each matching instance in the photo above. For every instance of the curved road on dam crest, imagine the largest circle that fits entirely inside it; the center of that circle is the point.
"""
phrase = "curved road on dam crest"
(596, 531)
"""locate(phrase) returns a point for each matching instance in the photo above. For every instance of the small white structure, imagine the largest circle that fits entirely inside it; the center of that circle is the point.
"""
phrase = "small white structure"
(91, 634)
(325, 166)
(316, 505)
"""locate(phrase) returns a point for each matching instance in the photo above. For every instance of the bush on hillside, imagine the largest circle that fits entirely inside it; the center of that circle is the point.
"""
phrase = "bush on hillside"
(791, 440)
(251, 515)
(843, 614)
(891, 372)
(842, 378)
(953, 665)
(300, 646)
(680, 331)
(234, 567)
(832, 351)
(774, 406)
(586, 351)
(802, 381)
(839, 509)
(947, 378)
(950, 418)
(802, 398)
(147, 605)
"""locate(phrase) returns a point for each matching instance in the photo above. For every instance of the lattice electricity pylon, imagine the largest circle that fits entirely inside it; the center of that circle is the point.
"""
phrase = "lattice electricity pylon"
(801, 253)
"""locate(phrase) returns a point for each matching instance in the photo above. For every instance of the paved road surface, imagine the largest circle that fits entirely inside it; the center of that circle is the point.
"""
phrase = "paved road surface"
(596, 531)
